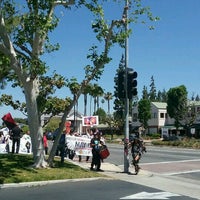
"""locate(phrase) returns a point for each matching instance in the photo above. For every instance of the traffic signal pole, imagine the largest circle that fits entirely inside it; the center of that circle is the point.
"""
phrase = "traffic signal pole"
(126, 129)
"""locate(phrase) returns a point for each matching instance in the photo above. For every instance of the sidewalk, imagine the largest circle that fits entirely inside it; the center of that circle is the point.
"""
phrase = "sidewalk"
(173, 184)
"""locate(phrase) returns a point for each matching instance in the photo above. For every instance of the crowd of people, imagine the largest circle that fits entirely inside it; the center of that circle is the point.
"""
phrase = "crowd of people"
(15, 135)
(96, 142)
(95, 137)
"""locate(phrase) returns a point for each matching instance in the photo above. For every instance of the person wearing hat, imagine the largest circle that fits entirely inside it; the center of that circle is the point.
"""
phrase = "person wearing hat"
(95, 145)
(137, 148)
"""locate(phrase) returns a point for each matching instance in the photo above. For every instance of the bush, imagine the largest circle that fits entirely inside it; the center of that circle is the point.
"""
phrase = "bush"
(152, 136)
(185, 143)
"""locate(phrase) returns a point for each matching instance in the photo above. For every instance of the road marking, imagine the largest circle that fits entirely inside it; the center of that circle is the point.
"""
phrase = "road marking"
(174, 161)
(185, 172)
(154, 195)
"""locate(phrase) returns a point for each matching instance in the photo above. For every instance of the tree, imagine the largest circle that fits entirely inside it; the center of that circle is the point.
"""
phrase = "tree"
(22, 47)
(108, 96)
(102, 115)
(152, 93)
(177, 104)
(97, 91)
(197, 98)
(145, 94)
(162, 96)
(102, 102)
(86, 91)
(144, 112)
(74, 88)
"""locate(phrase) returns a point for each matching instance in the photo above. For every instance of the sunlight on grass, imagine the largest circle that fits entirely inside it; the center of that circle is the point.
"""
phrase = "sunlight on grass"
(17, 168)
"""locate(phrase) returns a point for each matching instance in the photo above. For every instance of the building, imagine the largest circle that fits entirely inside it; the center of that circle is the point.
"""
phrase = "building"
(160, 119)
(74, 117)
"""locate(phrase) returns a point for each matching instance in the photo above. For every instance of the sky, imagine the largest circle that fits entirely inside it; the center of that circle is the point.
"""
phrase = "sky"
(170, 53)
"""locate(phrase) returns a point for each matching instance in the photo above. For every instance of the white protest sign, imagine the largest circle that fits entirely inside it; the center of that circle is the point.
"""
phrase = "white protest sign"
(81, 145)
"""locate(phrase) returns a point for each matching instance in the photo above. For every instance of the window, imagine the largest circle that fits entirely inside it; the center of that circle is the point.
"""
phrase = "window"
(162, 115)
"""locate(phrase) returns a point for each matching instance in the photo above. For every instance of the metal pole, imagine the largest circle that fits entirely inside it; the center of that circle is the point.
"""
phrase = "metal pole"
(126, 135)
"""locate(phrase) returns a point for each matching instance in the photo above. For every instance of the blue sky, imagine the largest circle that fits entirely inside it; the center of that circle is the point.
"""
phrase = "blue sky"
(170, 53)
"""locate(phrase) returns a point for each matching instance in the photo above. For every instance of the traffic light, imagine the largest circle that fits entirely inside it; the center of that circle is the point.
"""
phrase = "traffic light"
(131, 84)
(120, 81)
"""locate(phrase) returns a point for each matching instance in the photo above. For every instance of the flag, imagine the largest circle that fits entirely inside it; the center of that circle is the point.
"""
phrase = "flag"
(9, 121)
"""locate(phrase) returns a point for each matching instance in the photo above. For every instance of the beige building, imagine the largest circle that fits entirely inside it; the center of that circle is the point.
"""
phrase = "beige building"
(160, 119)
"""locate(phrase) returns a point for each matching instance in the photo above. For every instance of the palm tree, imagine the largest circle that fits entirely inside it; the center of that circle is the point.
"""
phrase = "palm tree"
(86, 91)
(102, 102)
(108, 96)
(97, 91)
(74, 88)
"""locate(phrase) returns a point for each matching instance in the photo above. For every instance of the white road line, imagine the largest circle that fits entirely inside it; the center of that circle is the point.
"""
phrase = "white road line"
(177, 173)
(176, 161)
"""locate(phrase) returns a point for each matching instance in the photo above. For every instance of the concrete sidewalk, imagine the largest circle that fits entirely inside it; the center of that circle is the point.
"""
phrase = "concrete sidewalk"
(173, 184)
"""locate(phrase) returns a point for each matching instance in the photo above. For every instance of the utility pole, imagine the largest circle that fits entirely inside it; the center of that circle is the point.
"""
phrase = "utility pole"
(126, 129)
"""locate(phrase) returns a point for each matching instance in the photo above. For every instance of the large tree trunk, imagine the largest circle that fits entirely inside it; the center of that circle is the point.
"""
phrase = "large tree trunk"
(36, 131)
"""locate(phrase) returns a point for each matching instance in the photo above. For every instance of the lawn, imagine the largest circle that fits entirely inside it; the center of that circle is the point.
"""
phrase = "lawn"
(16, 168)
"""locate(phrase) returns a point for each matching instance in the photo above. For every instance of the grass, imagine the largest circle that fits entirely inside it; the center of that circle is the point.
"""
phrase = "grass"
(16, 168)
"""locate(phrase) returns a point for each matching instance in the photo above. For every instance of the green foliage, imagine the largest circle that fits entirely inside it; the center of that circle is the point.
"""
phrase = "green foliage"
(53, 124)
(185, 143)
(144, 111)
(17, 169)
(24, 46)
(177, 103)
(152, 136)
(102, 115)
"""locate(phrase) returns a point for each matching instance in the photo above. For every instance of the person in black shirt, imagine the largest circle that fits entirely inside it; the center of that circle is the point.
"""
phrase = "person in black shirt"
(61, 147)
(16, 136)
(96, 159)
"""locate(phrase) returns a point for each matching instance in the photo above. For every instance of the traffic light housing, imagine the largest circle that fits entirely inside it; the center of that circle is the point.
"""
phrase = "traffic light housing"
(131, 84)
(120, 82)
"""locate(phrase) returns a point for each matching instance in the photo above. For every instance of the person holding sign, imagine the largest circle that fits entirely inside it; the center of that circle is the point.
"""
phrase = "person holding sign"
(95, 145)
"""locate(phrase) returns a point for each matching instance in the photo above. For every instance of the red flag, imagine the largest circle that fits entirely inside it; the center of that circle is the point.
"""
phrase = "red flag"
(9, 121)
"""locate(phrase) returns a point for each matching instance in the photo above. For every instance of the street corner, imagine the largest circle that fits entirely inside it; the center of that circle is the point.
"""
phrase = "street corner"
(109, 167)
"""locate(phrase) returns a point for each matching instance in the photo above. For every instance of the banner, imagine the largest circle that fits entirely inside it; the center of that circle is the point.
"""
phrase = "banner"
(81, 145)
(25, 145)
(90, 121)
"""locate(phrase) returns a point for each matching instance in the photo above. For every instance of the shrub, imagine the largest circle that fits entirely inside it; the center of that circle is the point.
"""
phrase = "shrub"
(185, 142)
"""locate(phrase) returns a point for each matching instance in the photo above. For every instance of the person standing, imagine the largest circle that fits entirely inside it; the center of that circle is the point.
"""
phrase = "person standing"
(137, 148)
(16, 136)
(2, 138)
(95, 145)
(61, 147)
(45, 143)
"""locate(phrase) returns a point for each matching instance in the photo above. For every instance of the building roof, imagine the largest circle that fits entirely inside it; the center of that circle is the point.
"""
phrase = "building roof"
(160, 105)
(195, 103)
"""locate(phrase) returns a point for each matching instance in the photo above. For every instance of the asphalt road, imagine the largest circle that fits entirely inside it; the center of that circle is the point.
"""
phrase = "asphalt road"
(163, 160)
(101, 189)
(166, 162)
